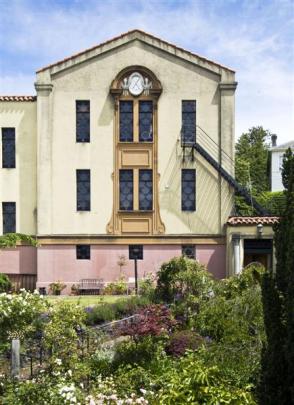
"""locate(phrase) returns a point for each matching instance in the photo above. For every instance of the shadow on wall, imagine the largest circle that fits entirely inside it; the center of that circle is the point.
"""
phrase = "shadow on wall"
(207, 202)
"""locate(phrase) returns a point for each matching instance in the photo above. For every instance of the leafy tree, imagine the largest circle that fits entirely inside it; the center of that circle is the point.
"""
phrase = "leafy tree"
(277, 376)
(252, 165)
(252, 155)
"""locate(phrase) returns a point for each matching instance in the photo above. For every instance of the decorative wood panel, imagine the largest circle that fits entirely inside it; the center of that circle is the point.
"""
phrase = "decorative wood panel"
(137, 155)
(135, 158)
(135, 225)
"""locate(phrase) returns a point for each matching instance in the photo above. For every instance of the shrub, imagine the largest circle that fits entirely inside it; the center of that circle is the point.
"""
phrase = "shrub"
(235, 285)
(121, 308)
(5, 283)
(57, 287)
(61, 333)
(101, 313)
(141, 352)
(181, 341)
(181, 277)
(153, 320)
(118, 287)
(236, 329)
(147, 286)
(189, 380)
(20, 314)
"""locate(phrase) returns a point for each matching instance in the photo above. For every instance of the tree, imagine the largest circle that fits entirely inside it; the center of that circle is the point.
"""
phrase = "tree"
(252, 159)
(277, 374)
(252, 166)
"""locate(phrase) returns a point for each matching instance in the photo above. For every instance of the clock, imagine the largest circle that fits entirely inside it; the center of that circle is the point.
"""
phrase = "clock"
(136, 84)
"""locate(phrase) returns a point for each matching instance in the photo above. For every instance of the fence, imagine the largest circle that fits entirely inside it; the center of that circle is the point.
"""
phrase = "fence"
(25, 359)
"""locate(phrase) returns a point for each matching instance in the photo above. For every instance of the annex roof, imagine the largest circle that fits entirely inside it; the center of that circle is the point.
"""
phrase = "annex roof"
(284, 146)
(18, 98)
(235, 221)
(131, 36)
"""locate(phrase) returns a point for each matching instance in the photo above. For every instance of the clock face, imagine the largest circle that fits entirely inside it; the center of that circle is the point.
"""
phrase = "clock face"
(136, 84)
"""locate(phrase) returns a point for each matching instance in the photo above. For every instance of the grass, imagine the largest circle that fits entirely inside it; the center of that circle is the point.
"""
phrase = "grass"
(85, 300)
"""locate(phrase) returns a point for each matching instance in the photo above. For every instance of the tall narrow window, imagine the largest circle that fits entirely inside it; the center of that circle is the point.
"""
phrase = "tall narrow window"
(126, 190)
(126, 121)
(9, 217)
(83, 120)
(189, 122)
(145, 121)
(188, 190)
(145, 190)
(8, 148)
(83, 190)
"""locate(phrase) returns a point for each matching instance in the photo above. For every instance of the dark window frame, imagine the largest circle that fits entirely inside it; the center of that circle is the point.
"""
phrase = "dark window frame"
(184, 195)
(83, 252)
(142, 199)
(9, 217)
(83, 137)
(128, 116)
(188, 130)
(146, 116)
(122, 184)
(8, 148)
(83, 203)
(186, 248)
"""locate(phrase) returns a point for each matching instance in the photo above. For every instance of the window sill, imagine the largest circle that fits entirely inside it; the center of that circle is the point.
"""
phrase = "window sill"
(136, 211)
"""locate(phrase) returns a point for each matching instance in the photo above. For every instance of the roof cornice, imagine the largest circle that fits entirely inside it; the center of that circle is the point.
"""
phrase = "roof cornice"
(128, 37)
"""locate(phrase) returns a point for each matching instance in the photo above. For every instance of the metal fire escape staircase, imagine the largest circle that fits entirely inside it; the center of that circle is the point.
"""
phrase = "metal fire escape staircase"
(211, 152)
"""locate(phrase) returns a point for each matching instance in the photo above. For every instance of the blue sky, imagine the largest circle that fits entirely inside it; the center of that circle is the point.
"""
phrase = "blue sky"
(254, 37)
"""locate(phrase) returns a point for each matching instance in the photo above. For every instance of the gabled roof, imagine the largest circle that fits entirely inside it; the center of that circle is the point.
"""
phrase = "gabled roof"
(130, 36)
(18, 98)
(252, 220)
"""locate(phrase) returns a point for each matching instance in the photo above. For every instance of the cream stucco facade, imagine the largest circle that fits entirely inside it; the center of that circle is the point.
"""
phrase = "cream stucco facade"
(43, 184)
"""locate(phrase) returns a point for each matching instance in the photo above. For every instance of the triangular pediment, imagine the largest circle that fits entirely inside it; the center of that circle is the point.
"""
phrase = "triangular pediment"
(127, 38)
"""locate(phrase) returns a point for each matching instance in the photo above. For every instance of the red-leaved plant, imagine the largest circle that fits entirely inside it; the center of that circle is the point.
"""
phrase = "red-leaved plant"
(153, 320)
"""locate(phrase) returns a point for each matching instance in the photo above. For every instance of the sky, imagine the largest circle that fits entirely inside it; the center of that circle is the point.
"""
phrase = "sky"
(253, 37)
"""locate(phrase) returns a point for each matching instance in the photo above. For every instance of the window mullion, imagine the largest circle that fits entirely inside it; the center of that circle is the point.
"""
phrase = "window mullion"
(136, 189)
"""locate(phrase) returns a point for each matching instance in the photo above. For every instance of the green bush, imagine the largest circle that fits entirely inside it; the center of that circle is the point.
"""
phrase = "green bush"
(181, 277)
(147, 286)
(141, 352)
(21, 314)
(101, 313)
(123, 307)
(188, 380)
(5, 283)
(234, 286)
(183, 340)
(118, 287)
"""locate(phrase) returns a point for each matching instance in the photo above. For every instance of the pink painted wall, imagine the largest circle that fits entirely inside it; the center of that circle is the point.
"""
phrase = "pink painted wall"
(214, 257)
(19, 260)
(60, 263)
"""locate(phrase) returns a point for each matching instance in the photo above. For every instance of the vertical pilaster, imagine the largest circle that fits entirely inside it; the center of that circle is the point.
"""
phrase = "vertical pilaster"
(236, 239)
(44, 158)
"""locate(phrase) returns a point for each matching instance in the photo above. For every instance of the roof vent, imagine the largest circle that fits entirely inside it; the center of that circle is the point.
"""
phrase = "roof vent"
(274, 140)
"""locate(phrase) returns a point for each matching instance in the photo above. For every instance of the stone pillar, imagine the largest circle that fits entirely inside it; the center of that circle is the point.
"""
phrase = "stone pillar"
(15, 358)
(44, 158)
(236, 239)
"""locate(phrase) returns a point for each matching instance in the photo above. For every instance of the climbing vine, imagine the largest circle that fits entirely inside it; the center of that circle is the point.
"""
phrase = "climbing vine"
(11, 239)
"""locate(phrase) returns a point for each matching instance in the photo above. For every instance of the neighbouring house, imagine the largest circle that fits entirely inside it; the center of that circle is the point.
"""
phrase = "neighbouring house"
(277, 153)
(128, 143)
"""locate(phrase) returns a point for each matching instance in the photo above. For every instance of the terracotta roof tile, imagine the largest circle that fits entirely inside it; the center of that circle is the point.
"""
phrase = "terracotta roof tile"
(252, 220)
(18, 98)
(124, 35)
